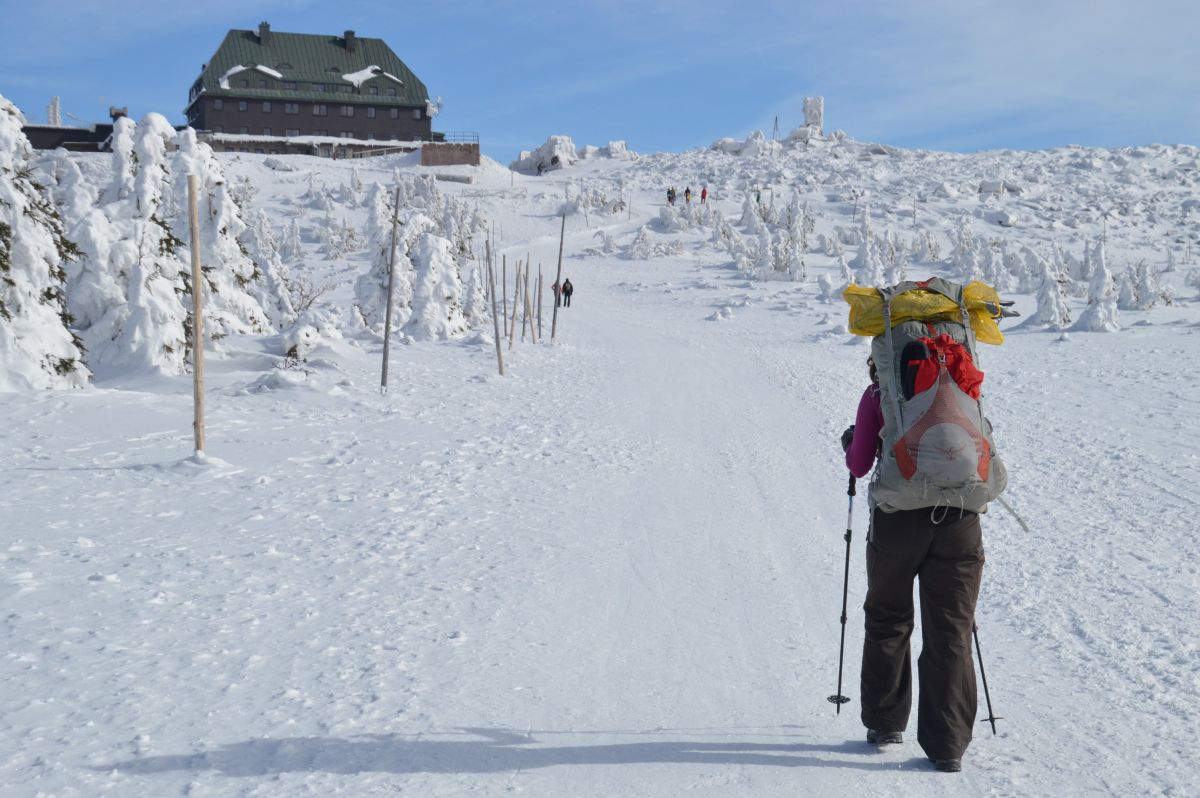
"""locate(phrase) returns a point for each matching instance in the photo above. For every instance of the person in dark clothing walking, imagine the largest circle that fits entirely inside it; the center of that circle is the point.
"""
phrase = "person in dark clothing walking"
(557, 289)
(943, 549)
(567, 290)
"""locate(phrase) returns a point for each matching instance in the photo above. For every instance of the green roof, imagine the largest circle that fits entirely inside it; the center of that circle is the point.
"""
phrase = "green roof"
(305, 59)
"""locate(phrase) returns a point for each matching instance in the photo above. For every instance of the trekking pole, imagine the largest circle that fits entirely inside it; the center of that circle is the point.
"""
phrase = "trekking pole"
(991, 718)
(837, 698)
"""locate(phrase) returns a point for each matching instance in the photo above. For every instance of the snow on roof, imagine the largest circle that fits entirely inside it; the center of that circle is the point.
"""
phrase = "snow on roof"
(363, 75)
(224, 81)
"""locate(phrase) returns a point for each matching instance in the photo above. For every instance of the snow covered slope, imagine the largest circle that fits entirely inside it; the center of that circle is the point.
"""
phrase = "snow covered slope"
(617, 570)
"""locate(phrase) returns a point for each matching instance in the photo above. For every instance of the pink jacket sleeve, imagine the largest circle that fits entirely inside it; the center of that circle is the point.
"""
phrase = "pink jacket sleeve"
(860, 457)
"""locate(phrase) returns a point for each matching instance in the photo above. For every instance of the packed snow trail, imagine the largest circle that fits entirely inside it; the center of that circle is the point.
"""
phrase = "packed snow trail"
(615, 572)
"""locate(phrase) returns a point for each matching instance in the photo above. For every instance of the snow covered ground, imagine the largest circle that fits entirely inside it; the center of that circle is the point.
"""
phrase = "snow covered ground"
(617, 570)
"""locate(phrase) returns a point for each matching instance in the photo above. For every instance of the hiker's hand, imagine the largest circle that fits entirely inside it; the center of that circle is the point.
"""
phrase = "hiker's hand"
(847, 438)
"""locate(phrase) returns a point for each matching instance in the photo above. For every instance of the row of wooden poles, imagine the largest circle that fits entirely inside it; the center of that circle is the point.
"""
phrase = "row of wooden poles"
(531, 317)
(523, 304)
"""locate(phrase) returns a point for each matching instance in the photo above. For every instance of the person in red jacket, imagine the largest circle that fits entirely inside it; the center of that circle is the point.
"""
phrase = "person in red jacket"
(703, 194)
(944, 550)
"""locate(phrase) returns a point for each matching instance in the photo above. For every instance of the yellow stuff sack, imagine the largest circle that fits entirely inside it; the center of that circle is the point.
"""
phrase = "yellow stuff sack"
(983, 305)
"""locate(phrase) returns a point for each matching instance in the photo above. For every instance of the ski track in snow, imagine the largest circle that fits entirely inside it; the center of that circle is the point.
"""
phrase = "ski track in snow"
(614, 572)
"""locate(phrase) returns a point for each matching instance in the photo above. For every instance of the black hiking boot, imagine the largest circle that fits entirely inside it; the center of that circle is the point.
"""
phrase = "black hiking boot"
(946, 765)
(876, 737)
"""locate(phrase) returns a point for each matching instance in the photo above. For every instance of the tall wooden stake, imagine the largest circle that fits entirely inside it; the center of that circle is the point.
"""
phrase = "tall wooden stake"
(197, 316)
(539, 300)
(504, 287)
(558, 280)
(387, 316)
(512, 332)
(495, 320)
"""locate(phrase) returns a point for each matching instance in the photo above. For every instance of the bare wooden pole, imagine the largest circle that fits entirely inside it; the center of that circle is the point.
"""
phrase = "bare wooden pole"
(512, 332)
(558, 280)
(387, 316)
(528, 317)
(539, 300)
(512, 322)
(504, 287)
(197, 316)
(495, 319)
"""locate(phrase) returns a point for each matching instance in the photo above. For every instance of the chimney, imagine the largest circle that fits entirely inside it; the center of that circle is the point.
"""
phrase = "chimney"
(349, 41)
(264, 34)
(116, 113)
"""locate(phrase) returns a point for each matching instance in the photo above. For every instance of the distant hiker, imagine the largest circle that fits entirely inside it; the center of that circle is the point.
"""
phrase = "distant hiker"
(757, 196)
(687, 195)
(937, 471)
(703, 194)
(567, 290)
(540, 167)
(557, 294)
(671, 196)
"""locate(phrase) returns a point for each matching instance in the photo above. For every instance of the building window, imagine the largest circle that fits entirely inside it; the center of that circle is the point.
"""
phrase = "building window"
(347, 110)
(370, 137)
(320, 133)
(262, 84)
(320, 109)
(243, 83)
(243, 105)
(318, 87)
(416, 113)
(346, 89)
(391, 92)
(370, 113)
(373, 90)
(266, 131)
(290, 85)
(218, 104)
(291, 131)
(346, 134)
(243, 130)
(266, 106)
(291, 108)
(395, 112)
(218, 128)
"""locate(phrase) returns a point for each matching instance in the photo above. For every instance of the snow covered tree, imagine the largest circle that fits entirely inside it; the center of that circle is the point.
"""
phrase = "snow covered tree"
(1052, 310)
(868, 263)
(1101, 313)
(437, 302)
(272, 290)
(640, 248)
(37, 348)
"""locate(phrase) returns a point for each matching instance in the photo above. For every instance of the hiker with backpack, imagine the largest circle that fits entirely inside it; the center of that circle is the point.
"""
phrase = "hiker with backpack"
(921, 420)
(567, 290)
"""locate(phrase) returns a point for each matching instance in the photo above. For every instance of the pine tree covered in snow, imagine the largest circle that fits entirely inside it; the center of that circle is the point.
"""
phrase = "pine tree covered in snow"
(37, 349)
(1101, 313)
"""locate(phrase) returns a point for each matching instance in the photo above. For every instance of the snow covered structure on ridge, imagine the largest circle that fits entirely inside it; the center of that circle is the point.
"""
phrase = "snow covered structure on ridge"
(298, 84)
(556, 153)
(37, 349)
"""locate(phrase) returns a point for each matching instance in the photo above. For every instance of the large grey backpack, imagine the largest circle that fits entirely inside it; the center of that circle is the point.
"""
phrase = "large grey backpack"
(937, 448)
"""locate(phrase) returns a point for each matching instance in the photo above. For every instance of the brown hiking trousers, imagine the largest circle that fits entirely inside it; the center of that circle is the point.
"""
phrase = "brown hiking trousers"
(947, 558)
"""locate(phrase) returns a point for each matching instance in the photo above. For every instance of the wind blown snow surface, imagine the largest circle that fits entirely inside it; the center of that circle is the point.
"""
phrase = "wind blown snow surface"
(618, 569)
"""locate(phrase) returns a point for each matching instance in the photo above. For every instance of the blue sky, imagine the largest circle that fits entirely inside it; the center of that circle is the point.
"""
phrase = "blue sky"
(675, 74)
